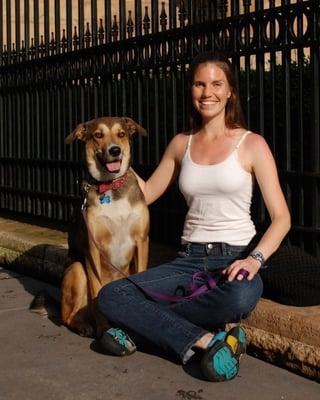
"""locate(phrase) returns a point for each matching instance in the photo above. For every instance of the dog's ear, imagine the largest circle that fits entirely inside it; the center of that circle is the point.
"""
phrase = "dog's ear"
(133, 127)
(79, 133)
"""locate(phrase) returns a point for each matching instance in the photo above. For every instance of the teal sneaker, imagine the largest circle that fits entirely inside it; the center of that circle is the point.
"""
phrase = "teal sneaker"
(236, 339)
(117, 342)
(219, 363)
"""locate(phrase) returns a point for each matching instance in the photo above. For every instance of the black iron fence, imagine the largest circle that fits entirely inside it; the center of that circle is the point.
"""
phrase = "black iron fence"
(134, 64)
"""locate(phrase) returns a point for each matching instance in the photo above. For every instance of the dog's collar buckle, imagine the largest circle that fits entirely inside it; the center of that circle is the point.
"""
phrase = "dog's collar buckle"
(113, 185)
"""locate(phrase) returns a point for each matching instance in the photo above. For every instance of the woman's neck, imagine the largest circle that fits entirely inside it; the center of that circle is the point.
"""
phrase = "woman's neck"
(214, 128)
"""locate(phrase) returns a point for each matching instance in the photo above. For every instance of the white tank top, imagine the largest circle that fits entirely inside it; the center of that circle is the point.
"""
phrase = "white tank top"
(219, 200)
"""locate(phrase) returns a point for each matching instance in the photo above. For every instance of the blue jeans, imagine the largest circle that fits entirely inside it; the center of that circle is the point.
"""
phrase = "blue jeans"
(176, 327)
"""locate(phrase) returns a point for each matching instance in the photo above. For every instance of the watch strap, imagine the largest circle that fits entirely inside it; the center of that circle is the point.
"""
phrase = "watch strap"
(257, 255)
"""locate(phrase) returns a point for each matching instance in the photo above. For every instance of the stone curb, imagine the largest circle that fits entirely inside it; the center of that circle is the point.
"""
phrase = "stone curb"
(286, 336)
(283, 335)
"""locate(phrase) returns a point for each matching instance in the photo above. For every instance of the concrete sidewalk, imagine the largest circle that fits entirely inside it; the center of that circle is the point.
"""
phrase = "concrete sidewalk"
(286, 336)
(42, 360)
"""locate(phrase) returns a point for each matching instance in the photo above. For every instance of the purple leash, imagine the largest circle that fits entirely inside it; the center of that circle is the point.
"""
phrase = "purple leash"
(195, 290)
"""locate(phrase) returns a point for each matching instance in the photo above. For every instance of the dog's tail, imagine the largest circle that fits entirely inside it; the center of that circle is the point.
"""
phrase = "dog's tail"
(45, 305)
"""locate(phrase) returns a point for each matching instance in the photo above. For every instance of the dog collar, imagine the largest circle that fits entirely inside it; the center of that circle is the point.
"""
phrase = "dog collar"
(113, 185)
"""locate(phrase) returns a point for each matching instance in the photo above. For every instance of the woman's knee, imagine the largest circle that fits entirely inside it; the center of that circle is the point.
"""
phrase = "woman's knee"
(245, 296)
(110, 297)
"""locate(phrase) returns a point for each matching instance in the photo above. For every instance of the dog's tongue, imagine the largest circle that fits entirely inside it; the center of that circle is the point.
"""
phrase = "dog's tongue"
(113, 166)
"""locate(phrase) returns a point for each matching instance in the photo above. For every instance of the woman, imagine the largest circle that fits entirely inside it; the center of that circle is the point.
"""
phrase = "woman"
(216, 164)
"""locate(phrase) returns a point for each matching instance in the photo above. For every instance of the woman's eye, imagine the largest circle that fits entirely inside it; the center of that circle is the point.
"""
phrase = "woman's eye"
(98, 135)
(121, 134)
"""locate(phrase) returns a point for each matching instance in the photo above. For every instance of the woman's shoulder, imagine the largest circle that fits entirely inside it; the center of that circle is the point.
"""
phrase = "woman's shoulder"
(179, 140)
(255, 149)
(178, 144)
(255, 141)
(249, 139)
(181, 137)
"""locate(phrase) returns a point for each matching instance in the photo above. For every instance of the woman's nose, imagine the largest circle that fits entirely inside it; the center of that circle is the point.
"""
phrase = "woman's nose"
(207, 91)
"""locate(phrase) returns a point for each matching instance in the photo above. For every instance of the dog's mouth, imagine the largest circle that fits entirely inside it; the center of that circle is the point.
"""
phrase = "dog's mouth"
(110, 162)
(113, 166)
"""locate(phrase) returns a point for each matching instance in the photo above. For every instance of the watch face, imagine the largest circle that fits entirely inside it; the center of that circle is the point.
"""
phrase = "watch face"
(257, 255)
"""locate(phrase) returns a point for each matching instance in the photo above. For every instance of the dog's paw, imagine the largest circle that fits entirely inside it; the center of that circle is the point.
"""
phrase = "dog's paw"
(45, 305)
(84, 330)
(39, 304)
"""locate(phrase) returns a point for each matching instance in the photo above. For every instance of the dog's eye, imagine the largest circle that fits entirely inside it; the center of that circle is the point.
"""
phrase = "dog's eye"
(121, 134)
(98, 135)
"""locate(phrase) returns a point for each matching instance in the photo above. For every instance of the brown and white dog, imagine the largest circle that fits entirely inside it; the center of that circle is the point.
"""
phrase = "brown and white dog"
(112, 229)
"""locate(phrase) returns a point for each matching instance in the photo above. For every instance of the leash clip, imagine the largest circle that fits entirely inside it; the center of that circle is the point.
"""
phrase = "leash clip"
(84, 204)
(85, 187)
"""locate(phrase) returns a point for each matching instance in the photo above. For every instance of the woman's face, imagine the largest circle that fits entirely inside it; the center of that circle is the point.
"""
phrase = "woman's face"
(210, 91)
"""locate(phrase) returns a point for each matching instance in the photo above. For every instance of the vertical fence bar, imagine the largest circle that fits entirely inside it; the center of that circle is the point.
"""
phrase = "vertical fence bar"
(107, 20)
(191, 5)
(315, 68)
(81, 23)
(174, 111)
(36, 26)
(300, 126)
(260, 95)
(138, 17)
(273, 66)
(46, 26)
(260, 63)
(57, 33)
(9, 39)
(122, 18)
(1, 32)
(172, 15)
(140, 113)
(155, 130)
(18, 24)
(69, 25)
(287, 75)
(94, 22)
(154, 16)
(26, 27)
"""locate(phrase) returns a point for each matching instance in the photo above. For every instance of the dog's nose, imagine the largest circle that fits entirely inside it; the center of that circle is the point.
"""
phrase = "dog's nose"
(114, 151)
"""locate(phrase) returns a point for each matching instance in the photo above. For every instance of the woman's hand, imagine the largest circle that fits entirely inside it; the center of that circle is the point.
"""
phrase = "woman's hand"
(248, 264)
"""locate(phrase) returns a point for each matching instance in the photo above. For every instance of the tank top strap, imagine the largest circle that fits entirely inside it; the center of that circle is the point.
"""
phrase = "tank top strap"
(189, 141)
(242, 139)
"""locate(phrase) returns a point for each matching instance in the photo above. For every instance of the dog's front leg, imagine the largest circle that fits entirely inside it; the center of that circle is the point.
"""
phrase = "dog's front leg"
(142, 254)
(93, 267)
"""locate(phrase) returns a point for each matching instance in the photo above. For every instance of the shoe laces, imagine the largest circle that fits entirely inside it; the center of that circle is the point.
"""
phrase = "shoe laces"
(119, 335)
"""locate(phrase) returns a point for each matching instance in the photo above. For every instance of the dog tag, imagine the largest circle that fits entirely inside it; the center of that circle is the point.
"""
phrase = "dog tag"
(105, 199)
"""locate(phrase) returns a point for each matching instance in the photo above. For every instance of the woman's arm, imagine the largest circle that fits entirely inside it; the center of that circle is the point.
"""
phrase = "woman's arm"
(264, 168)
(167, 170)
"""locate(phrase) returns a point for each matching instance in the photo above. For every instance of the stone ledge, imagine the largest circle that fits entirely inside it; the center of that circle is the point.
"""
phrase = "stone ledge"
(298, 323)
(284, 335)
(284, 351)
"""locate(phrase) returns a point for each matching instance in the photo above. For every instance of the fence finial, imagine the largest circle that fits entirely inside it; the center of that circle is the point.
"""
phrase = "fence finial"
(146, 21)
(115, 29)
(163, 17)
(130, 25)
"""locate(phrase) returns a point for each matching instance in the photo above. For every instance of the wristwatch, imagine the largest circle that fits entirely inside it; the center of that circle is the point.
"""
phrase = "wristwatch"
(257, 255)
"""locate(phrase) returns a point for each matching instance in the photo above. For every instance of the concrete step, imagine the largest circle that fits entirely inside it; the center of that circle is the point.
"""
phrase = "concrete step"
(284, 335)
